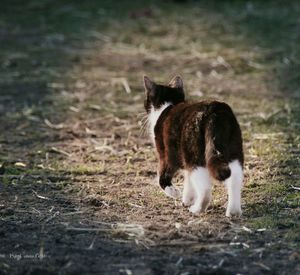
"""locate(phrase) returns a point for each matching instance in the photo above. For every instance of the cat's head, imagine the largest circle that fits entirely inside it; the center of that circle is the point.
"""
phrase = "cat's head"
(157, 95)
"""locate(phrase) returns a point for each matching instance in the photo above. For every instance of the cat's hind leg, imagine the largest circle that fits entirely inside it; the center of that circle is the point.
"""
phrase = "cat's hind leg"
(201, 183)
(234, 185)
(188, 195)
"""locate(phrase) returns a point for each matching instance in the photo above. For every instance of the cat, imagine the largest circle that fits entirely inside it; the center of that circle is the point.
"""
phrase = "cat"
(204, 139)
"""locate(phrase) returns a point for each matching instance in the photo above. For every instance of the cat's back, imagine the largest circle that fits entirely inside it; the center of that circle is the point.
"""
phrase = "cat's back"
(191, 118)
(201, 109)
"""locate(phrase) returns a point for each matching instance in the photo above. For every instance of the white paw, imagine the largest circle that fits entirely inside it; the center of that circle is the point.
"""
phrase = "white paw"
(233, 211)
(172, 192)
(195, 208)
(188, 200)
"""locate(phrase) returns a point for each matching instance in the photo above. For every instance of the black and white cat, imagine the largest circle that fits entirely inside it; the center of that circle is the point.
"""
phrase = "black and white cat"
(204, 139)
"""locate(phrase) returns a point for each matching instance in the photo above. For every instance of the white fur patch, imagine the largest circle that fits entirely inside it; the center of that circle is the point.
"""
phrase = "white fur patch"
(172, 192)
(189, 194)
(202, 186)
(234, 186)
(154, 116)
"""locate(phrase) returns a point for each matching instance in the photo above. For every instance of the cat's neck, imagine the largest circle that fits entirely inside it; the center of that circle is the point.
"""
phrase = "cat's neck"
(154, 116)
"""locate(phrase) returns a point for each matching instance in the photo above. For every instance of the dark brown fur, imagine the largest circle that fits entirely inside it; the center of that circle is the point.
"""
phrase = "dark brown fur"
(189, 135)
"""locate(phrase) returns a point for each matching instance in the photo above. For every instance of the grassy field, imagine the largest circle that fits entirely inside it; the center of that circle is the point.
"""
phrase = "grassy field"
(77, 183)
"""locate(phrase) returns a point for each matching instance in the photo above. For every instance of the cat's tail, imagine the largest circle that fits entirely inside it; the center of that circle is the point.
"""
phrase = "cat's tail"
(216, 141)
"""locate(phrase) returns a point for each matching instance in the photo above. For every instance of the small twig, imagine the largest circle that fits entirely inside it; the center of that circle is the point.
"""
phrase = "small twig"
(74, 109)
(179, 261)
(235, 243)
(41, 253)
(39, 196)
(20, 164)
(59, 151)
(261, 229)
(245, 245)
(247, 229)
(92, 244)
(135, 205)
(139, 242)
(124, 83)
(36, 211)
(54, 126)
(255, 65)
(95, 107)
(52, 217)
(100, 36)
(126, 86)
(295, 187)
(105, 148)
(73, 213)
(238, 244)
(263, 266)
(221, 263)
(88, 229)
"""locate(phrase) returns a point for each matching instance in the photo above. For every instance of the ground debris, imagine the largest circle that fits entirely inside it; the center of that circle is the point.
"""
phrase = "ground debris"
(262, 266)
(54, 126)
(59, 151)
(39, 196)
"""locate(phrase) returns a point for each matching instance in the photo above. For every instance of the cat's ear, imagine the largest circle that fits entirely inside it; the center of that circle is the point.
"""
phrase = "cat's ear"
(149, 84)
(176, 82)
